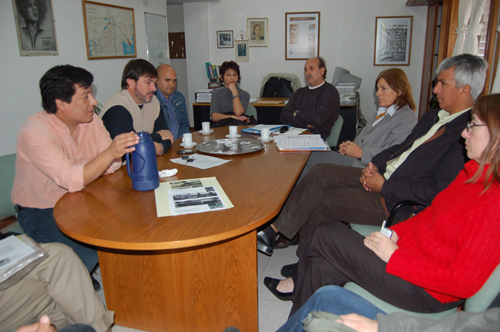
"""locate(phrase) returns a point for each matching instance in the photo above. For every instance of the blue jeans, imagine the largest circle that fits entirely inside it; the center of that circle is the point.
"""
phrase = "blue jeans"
(41, 226)
(334, 299)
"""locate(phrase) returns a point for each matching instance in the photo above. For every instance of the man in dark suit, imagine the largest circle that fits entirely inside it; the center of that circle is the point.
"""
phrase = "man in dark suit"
(416, 170)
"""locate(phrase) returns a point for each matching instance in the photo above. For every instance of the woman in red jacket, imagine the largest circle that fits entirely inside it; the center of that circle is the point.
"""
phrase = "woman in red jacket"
(432, 262)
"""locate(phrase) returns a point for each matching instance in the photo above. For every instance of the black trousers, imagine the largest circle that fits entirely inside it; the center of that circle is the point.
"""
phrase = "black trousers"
(335, 255)
(328, 193)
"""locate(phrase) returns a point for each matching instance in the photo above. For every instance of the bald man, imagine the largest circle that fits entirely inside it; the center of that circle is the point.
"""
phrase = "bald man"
(173, 103)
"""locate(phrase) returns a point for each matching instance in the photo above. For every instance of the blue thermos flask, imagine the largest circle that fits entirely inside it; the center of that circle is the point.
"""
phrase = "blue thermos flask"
(144, 168)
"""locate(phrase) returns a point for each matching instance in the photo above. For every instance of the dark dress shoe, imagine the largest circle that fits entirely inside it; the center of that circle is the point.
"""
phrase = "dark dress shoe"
(265, 243)
(272, 285)
(287, 270)
(283, 242)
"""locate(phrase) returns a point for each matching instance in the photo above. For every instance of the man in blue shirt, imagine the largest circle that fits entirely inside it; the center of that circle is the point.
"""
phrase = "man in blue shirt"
(173, 103)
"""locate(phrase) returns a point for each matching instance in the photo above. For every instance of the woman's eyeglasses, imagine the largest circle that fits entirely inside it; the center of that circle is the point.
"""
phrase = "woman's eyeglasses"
(471, 125)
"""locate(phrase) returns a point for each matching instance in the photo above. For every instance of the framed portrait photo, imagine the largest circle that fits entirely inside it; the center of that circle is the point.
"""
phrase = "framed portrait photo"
(393, 40)
(257, 32)
(241, 51)
(302, 35)
(36, 32)
(225, 39)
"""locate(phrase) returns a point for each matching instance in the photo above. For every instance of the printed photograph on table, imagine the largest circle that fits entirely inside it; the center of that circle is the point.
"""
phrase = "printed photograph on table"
(109, 31)
(302, 35)
(257, 31)
(225, 39)
(393, 40)
(36, 32)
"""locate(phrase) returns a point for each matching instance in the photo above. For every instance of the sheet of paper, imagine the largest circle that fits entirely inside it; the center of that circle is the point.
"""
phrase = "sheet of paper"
(190, 196)
(200, 161)
(252, 100)
(11, 251)
(297, 142)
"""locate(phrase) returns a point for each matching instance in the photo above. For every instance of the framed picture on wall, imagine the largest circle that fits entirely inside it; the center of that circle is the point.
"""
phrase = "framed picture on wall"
(36, 32)
(109, 31)
(302, 35)
(225, 39)
(392, 40)
(257, 32)
(242, 51)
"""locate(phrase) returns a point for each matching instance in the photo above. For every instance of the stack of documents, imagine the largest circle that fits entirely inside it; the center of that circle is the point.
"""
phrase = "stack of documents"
(203, 96)
(301, 143)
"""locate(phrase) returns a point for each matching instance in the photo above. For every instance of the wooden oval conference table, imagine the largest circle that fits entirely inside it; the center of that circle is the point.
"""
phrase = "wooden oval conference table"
(195, 272)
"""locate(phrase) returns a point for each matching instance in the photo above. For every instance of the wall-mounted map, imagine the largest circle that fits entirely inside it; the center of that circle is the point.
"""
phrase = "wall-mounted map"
(109, 31)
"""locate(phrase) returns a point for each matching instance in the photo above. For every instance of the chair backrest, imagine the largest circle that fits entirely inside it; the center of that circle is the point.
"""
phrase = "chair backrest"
(8, 167)
(333, 139)
(251, 110)
(483, 298)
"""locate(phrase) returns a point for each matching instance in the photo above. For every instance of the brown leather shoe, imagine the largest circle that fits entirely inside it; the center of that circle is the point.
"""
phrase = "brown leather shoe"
(283, 242)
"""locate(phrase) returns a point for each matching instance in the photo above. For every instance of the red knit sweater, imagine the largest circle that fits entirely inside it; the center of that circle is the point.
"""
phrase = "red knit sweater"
(452, 247)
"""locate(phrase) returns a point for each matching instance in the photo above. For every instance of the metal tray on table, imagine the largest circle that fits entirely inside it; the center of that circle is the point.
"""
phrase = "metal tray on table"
(230, 146)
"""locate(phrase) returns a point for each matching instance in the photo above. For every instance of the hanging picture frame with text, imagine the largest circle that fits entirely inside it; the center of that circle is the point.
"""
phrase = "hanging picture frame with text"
(257, 32)
(302, 35)
(225, 39)
(36, 32)
(393, 40)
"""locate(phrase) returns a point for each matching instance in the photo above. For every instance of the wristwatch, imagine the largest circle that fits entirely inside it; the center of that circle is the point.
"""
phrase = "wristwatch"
(235, 96)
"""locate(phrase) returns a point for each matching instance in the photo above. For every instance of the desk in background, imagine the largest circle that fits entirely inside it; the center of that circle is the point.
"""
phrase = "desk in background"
(269, 112)
(195, 272)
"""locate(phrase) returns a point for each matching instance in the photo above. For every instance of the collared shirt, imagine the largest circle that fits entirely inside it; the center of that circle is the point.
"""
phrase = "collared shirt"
(50, 163)
(172, 126)
(381, 110)
(444, 118)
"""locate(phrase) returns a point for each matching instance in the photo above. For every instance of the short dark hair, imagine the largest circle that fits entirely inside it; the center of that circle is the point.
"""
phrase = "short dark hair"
(137, 68)
(60, 82)
(226, 65)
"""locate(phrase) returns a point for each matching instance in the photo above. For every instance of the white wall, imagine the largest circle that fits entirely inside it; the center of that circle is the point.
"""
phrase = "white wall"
(175, 19)
(197, 49)
(19, 90)
(346, 40)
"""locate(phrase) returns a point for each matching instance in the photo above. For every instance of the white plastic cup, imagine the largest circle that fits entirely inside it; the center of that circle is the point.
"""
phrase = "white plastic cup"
(187, 139)
(233, 131)
(205, 127)
(265, 134)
